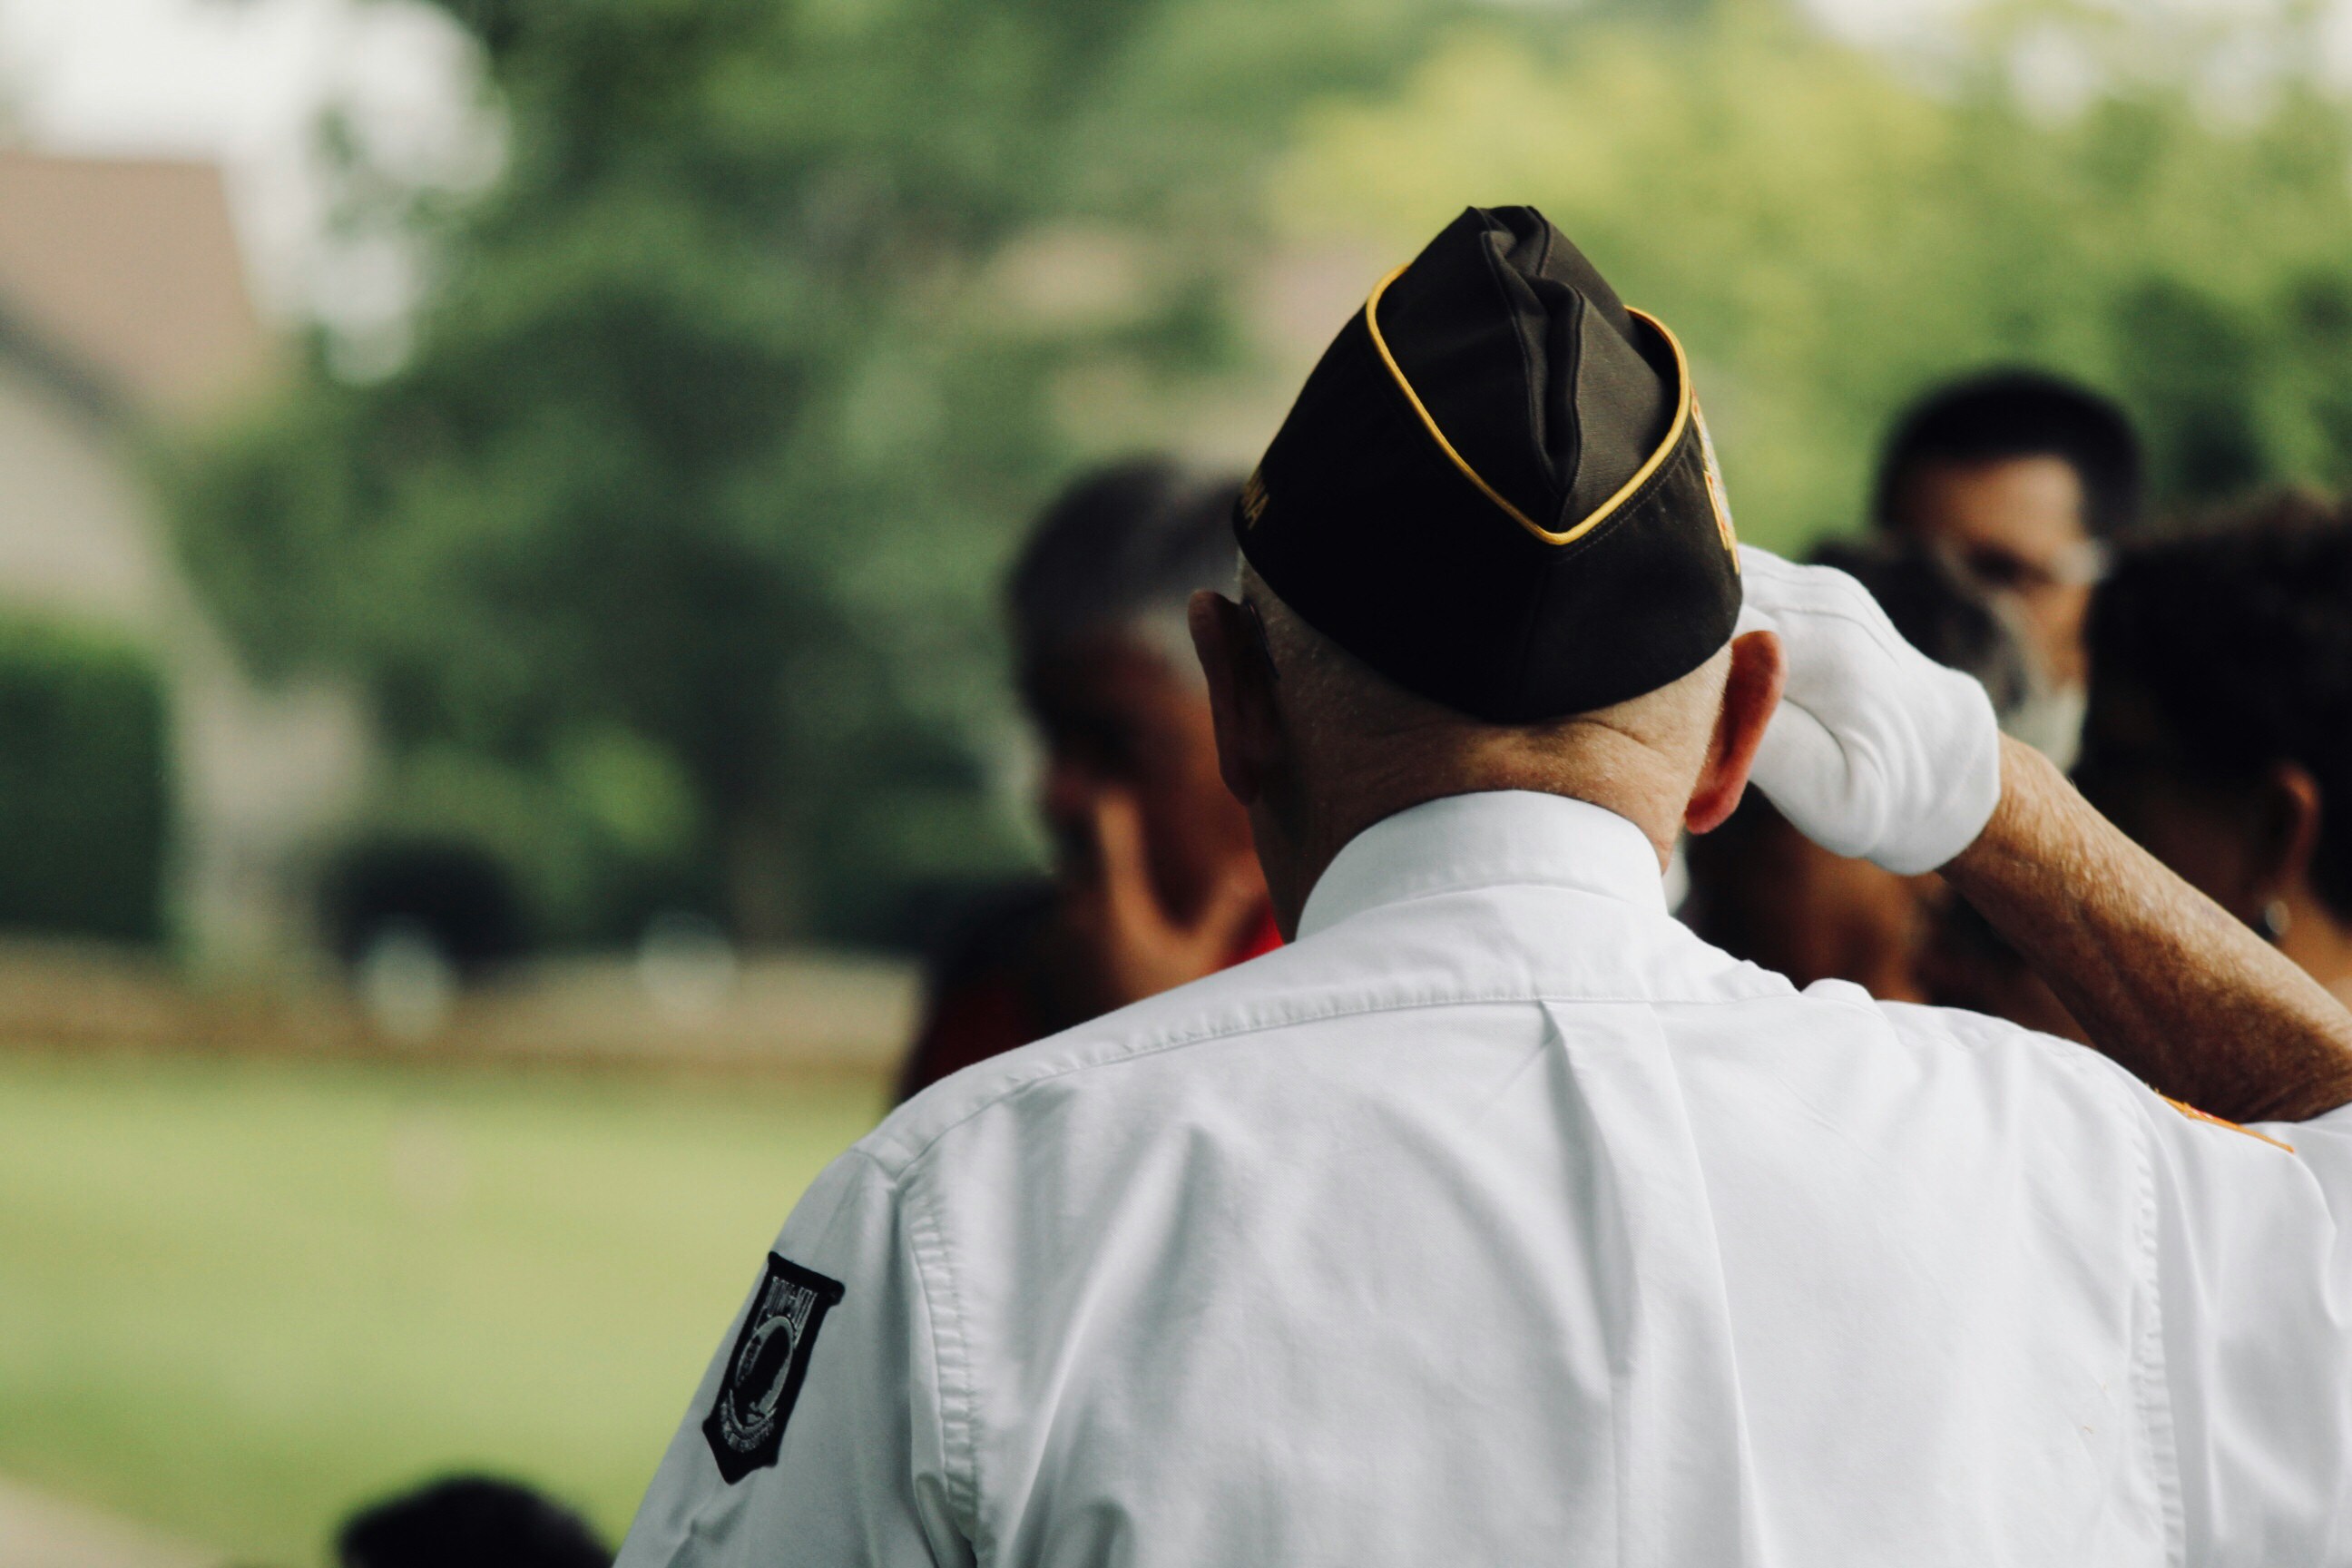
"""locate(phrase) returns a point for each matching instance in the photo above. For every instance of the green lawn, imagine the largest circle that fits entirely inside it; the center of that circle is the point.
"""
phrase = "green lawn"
(236, 1297)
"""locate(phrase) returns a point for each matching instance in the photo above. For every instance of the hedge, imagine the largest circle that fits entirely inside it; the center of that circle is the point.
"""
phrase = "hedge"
(85, 783)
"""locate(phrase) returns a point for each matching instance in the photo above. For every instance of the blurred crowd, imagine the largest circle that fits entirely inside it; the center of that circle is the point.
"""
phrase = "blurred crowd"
(2195, 673)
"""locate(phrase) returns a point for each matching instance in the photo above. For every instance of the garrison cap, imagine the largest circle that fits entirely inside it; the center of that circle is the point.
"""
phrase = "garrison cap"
(1496, 487)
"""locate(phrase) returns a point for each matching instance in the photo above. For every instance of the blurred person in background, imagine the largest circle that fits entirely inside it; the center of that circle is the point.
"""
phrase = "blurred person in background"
(2219, 733)
(470, 1521)
(1154, 880)
(1763, 892)
(2021, 481)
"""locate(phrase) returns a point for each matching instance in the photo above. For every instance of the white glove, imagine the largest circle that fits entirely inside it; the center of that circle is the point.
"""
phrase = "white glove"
(1876, 749)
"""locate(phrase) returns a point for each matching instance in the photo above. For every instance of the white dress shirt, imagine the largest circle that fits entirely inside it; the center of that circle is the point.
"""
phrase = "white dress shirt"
(1498, 1220)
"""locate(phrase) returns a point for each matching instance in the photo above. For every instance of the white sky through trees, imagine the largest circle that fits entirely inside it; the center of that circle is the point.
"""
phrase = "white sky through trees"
(245, 83)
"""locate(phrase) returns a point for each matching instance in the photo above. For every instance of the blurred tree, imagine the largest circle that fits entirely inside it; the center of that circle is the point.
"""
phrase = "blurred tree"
(724, 403)
(1831, 230)
(667, 550)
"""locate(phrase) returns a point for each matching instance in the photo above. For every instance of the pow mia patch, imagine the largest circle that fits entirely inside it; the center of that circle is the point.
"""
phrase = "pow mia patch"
(746, 1427)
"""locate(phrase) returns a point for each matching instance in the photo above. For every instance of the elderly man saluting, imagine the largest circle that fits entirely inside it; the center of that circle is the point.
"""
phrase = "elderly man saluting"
(1499, 1220)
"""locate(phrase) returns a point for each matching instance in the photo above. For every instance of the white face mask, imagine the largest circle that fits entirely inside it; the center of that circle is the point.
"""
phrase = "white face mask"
(2049, 719)
(2047, 716)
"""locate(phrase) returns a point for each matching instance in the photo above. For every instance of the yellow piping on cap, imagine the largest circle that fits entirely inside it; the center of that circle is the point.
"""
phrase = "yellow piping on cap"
(1608, 508)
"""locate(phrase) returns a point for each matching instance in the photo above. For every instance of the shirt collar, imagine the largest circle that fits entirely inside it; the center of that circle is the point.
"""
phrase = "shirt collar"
(1486, 840)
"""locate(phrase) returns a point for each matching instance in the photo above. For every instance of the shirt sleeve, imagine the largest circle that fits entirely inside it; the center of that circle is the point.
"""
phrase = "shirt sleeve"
(823, 1411)
(2255, 1269)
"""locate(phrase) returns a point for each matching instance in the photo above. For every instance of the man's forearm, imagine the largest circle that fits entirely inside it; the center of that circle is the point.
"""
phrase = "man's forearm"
(2161, 977)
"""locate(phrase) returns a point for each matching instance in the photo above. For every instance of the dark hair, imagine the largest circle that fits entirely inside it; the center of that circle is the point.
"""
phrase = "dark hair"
(470, 1521)
(2020, 414)
(1123, 542)
(1937, 613)
(2237, 637)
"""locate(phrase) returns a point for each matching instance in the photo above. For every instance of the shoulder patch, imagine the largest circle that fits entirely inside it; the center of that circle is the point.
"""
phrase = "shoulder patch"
(746, 1424)
(2207, 1117)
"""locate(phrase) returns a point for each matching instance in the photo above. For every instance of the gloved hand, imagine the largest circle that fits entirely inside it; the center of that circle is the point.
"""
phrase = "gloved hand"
(1876, 749)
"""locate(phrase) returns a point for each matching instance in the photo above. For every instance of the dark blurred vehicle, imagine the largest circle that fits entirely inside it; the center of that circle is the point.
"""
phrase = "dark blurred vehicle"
(1155, 882)
(470, 1521)
(2219, 733)
(451, 895)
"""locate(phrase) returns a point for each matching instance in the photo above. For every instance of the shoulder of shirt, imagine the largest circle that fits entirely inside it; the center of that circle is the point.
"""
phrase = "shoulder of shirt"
(1978, 1033)
(1334, 975)
(1981, 1033)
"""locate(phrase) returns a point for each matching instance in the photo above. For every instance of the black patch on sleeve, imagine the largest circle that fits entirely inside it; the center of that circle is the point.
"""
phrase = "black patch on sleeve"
(746, 1424)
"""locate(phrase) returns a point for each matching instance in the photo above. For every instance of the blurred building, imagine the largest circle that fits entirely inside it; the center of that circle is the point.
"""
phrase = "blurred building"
(124, 313)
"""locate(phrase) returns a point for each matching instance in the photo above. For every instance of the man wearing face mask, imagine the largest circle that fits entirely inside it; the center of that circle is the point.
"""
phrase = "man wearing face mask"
(1497, 1220)
(2023, 483)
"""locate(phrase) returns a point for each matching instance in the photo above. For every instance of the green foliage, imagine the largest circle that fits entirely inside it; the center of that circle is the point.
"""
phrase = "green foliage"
(720, 422)
(669, 555)
(84, 789)
(596, 840)
(1829, 237)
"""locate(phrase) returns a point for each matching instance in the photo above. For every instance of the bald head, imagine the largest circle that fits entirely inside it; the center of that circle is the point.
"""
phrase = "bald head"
(1319, 746)
(1357, 729)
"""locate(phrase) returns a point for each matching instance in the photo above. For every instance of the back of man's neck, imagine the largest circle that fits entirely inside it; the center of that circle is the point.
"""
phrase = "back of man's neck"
(1601, 767)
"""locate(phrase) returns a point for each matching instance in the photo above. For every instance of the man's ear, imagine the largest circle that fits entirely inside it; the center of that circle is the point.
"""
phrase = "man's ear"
(2288, 830)
(1231, 643)
(1750, 694)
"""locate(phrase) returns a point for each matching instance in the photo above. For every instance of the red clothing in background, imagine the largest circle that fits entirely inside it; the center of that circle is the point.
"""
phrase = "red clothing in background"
(986, 991)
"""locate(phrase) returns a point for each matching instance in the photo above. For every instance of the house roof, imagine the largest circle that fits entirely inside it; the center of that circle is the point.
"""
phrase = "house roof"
(128, 269)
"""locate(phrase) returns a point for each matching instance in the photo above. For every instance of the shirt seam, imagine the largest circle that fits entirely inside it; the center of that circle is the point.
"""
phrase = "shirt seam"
(1177, 1042)
(927, 1244)
(2150, 1364)
(2152, 1391)
(2155, 1386)
(1657, 907)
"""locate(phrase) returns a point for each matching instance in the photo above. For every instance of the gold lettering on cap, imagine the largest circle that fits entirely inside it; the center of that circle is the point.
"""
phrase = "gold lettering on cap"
(1716, 494)
(1253, 499)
